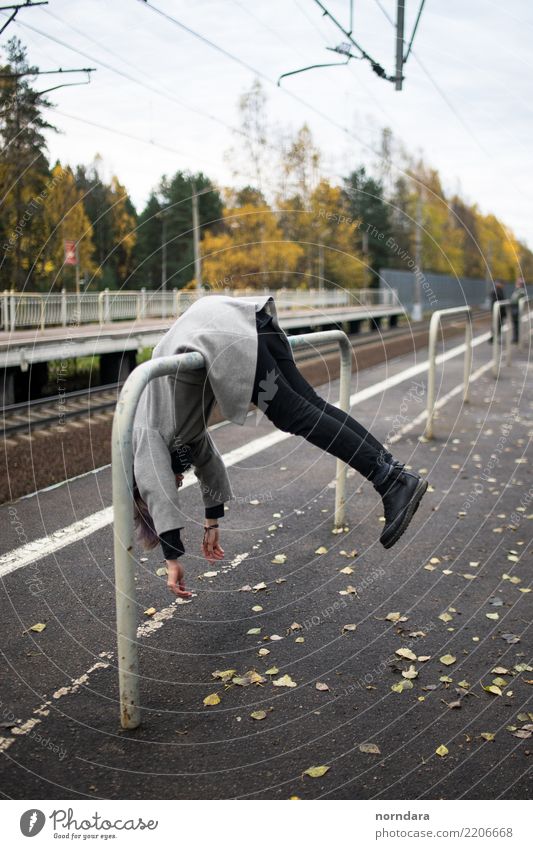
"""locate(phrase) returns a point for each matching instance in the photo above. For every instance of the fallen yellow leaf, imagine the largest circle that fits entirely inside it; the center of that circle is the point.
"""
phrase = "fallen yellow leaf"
(316, 771)
(213, 699)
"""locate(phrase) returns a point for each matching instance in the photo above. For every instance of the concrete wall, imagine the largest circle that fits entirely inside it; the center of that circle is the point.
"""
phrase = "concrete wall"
(439, 291)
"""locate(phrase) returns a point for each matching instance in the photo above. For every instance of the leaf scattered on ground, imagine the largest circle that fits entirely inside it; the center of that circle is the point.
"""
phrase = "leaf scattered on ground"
(407, 654)
(442, 751)
(316, 771)
(258, 714)
(447, 659)
(279, 558)
(321, 550)
(321, 686)
(211, 700)
(401, 686)
(284, 681)
(369, 749)
(224, 674)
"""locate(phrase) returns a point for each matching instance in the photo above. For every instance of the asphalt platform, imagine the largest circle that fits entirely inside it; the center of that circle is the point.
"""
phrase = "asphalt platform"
(305, 648)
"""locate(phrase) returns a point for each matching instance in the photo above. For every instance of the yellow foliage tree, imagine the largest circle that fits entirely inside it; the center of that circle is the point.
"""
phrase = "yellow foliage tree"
(123, 227)
(251, 252)
(65, 219)
(326, 232)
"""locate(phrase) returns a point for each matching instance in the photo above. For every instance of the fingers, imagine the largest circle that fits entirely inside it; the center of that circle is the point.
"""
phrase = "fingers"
(176, 580)
(179, 590)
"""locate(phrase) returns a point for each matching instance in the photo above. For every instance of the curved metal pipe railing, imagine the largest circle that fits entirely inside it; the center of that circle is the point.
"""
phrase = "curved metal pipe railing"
(122, 481)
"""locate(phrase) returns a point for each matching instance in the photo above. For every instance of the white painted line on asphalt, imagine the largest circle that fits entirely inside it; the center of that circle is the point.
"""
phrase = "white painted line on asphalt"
(28, 553)
(440, 403)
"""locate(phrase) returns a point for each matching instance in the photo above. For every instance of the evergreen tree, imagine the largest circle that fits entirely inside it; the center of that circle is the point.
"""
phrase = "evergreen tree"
(169, 214)
(366, 204)
(24, 170)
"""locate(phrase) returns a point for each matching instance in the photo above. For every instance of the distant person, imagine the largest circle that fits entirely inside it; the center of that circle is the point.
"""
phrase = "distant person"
(519, 292)
(248, 358)
(497, 294)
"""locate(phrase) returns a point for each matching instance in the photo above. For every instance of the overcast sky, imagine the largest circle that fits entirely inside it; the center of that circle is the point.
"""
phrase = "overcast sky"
(466, 102)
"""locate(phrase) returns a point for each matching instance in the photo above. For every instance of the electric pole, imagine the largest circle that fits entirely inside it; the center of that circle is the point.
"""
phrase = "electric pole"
(400, 18)
(196, 237)
(417, 299)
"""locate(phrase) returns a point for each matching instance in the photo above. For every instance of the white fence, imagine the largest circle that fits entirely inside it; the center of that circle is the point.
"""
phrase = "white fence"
(34, 309)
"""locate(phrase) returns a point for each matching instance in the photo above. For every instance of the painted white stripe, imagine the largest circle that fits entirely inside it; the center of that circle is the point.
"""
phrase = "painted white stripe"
(45, 546)
(440, 403)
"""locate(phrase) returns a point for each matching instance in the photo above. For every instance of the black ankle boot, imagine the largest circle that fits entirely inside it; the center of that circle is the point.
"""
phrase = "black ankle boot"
(401, 492)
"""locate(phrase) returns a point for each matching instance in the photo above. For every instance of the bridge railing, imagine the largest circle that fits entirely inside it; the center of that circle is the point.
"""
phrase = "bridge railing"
(39, 309)
(122, 480)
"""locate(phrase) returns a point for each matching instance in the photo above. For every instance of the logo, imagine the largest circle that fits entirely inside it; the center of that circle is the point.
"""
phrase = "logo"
(32, 822)
(268, 388)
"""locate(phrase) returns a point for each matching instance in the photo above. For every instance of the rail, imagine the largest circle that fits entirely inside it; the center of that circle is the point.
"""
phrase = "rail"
(434, 325)
(122, 481)
(40, 309)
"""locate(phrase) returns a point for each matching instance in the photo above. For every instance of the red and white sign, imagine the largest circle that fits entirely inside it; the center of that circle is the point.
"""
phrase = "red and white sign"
(71, 253)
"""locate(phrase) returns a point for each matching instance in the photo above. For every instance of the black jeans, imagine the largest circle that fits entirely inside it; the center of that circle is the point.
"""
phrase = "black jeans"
(292, 405)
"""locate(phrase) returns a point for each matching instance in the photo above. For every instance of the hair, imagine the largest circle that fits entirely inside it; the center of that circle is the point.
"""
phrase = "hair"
(146, 534)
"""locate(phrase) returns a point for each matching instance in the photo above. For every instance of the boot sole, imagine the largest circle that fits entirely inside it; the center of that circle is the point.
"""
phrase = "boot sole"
(409, 512)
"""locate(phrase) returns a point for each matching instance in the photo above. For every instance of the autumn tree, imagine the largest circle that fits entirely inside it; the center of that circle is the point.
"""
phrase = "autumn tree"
(24, 168)
(114, 220)
(168, 215)
(251, 251)
(65, 219)
(364, 199)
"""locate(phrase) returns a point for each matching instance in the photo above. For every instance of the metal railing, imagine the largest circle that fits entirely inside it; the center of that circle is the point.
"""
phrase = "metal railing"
(523, 304)
(434, 325)
(37, 309)
(498, 328)
(122, 480)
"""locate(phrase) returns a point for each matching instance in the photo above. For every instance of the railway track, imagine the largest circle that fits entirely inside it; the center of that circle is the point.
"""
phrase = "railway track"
(57, 410)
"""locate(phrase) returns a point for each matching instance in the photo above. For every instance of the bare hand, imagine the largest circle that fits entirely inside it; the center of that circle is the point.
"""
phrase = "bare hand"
(210, 545)
(176, 579)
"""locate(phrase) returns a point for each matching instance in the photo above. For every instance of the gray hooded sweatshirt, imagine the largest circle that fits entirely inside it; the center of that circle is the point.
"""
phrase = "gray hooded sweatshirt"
(173, 411)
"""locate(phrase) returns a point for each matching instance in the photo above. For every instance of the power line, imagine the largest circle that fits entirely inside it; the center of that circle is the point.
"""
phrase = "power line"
(130, 77)
(16, 8)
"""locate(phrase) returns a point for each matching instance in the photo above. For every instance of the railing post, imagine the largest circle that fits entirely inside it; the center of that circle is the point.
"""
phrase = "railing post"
(43, 310)
(13, 311)
(63, 307)
(496, 334)
(100, 308)
(468, 357)
(5, 309)
(521, 334)
(434, 325)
